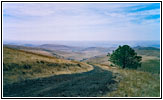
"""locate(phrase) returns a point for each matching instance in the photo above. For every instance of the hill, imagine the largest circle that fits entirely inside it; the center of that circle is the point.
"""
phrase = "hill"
(100, 49)
(66, 52)
(60, 47)
(133, 83)
(36, 74)
(146, 48)
(21, 65)
(35, 50)
(148, 51)
(101, 59)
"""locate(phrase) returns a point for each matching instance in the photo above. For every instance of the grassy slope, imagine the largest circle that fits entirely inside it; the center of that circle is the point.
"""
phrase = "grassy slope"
(34, 50)
(103, 59)
(134, 83)
(144, 82)
(148, 51)
(152, 66)
(20, 65)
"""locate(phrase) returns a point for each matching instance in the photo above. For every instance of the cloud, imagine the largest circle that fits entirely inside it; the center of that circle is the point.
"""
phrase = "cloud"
(80, 21)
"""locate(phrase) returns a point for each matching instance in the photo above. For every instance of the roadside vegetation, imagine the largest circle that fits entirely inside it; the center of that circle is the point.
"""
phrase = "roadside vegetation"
(151, 66)
(133, 83)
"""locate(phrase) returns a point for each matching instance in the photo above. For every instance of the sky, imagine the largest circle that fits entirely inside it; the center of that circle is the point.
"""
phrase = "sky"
(81, 21)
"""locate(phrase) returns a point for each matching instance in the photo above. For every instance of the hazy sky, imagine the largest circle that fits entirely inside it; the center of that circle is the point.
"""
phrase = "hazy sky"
(81, 21)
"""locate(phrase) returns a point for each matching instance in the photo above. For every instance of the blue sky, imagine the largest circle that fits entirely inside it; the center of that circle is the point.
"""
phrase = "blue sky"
(81, 21)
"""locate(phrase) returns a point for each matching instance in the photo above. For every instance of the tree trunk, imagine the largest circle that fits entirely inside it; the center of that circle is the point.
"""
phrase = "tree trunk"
(124, 63)
(123, 66)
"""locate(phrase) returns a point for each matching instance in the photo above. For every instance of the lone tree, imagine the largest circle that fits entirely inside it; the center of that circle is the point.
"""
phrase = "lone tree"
(125, 57)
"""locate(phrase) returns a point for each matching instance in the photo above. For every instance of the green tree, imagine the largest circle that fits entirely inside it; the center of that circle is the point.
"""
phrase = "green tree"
(125, 57)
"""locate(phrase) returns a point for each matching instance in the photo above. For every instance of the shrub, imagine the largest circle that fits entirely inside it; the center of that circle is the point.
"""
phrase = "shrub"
(42, 62)
(79, 65)
(27, 66)
(111, 64)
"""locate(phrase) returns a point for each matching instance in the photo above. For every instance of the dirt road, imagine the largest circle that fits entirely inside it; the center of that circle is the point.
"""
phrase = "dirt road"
(88, 84)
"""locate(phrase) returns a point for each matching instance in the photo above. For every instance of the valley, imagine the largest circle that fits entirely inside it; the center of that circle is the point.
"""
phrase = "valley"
(67, 71)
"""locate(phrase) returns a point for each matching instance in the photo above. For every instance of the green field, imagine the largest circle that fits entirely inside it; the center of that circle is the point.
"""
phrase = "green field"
(152, 66)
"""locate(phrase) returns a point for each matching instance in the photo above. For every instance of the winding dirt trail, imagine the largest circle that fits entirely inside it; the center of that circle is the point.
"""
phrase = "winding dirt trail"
(88, 84)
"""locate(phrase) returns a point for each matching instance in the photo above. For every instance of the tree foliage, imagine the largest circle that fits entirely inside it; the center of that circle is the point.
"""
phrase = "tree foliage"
(125, 57)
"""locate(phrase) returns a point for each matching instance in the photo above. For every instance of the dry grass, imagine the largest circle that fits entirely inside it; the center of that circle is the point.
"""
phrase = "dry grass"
(20, 65)
(78, 55)
(39, 52)
(102, 59)
(146, 58)
(134, 83)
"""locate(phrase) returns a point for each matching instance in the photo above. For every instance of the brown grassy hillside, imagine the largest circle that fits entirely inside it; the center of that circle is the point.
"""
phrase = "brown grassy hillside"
(20, 65)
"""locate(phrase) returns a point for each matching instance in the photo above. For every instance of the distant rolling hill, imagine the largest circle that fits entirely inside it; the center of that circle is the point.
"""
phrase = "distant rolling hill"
(146, 48)
(76, 53)
(148, 51)
(100, 49)
(74, 48)
(20, 65)
(35, 50)
(66, 52)
(60, 47)
(85, 53)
